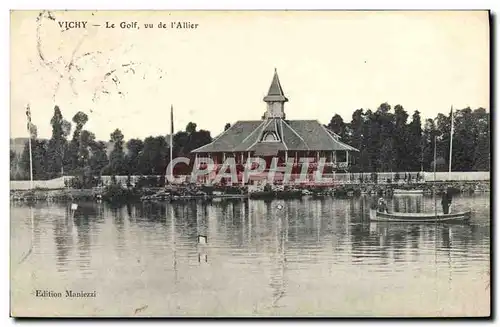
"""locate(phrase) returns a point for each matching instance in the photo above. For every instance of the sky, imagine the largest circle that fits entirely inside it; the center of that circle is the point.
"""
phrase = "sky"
(329, 62)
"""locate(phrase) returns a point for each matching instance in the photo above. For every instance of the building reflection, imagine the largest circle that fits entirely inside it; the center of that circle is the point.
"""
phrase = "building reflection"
(408, 203)
(278, 258)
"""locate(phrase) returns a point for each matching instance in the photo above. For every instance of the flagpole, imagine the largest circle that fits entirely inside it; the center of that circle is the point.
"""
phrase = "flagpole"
(451, 143)
(31, 163)
(171, 138)
(28, 117)
(434, 185)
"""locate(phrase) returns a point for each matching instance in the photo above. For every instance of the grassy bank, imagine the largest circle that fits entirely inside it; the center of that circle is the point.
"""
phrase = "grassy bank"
(116, 193)
(64, 195)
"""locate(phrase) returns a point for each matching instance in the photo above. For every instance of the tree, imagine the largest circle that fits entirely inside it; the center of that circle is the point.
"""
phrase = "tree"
(191, 128)
(415, 143)
(72, 160)
(428, 144)
(400, 138)
(117, 156)
(134, 149)
(370, 141)
(185, 142)
(482, 156)
(66, 128)
(56, 144)
(39, 155)
(443, 128)
(80, 119)
(357, 140)
(196, 140)
(33, 130)
(13, 165)
(153, 158)
(338, 126)
(12, 158)
(181, 148)
(87, 139)
(440, 164)
(227, 126)
(385, 158)
(99, 158)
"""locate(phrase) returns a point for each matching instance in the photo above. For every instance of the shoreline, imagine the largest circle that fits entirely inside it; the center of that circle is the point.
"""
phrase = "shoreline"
(186, 192)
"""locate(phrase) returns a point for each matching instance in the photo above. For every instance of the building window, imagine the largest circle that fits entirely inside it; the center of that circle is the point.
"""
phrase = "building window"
(341, 156)
(269, 137)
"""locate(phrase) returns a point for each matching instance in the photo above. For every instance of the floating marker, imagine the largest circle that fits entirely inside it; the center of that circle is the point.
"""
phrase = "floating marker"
(280, 206)
(202, 239)
(202, 257)
(74, 206)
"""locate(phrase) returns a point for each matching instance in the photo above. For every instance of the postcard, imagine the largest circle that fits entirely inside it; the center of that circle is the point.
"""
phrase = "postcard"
(250, 164)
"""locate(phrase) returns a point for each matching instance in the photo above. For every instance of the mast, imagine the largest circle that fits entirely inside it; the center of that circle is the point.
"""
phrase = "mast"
(29, 125)
(171, 139)
(451, 143)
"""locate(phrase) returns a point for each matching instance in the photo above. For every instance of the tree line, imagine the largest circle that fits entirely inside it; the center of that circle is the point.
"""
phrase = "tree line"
(386, 139)
(83, 155)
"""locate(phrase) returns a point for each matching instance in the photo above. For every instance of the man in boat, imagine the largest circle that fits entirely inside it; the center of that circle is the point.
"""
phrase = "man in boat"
(446, 198)
(382, 206)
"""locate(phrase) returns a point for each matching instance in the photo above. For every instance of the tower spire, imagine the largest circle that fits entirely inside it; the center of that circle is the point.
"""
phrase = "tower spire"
(275, 99)
(275, 93)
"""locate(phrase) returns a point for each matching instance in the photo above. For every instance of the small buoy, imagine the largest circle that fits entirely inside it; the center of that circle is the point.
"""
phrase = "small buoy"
(280, 207)
(202, 257)
(74, 206)
(202, 239)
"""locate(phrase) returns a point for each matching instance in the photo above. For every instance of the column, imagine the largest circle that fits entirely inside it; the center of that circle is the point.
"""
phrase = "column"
(347, 157)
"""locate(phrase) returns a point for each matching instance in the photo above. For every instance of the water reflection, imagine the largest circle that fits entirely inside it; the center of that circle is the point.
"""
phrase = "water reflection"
(413, 203)
(63, 239)
(278, 258)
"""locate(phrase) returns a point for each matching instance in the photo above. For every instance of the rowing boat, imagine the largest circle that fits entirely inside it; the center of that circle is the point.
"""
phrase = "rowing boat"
(418, 217)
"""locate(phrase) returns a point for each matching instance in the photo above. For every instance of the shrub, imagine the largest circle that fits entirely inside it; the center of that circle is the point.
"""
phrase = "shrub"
(114, 192)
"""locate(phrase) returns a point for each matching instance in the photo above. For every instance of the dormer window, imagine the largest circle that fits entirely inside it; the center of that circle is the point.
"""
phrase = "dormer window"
(270, 137)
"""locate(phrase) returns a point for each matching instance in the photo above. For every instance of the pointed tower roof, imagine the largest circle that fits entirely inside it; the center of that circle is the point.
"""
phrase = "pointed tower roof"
(275, 92)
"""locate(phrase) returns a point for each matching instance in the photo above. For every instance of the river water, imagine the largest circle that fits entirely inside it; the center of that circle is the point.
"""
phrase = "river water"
(307, 257)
